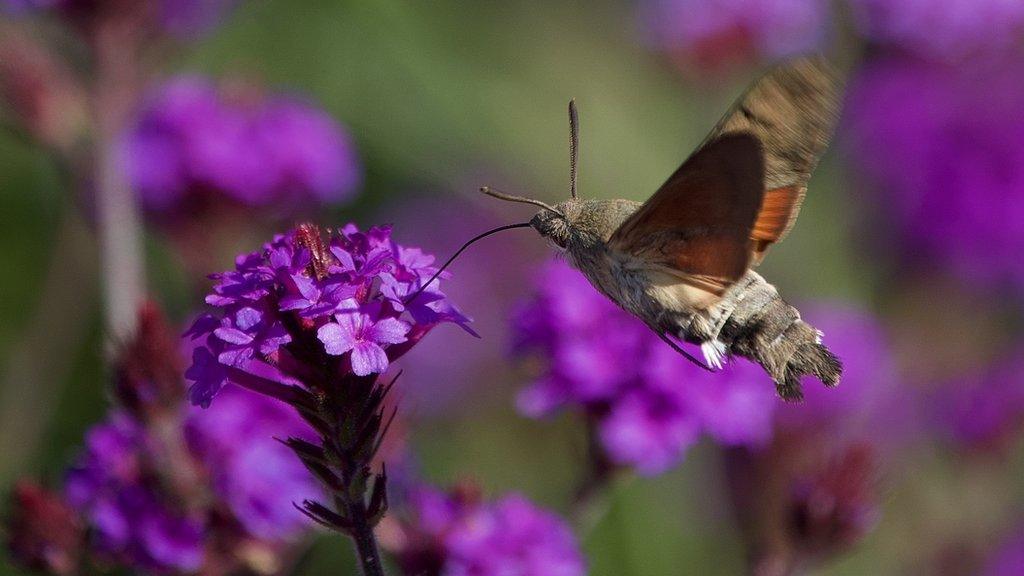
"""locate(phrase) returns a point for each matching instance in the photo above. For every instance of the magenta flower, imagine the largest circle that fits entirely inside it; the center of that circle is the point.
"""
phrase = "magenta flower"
(194, 145)
(648, 404)
(358, 333)
(458, 535)
(132, 521)
(942, 148)
(351, 296)
(250, 470)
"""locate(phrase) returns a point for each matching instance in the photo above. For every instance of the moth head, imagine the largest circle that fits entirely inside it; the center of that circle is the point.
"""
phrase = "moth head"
(556, 223)
(552, 221)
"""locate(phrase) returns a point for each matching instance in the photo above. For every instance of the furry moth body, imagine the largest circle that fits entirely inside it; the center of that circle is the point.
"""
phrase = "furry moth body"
(683, 261)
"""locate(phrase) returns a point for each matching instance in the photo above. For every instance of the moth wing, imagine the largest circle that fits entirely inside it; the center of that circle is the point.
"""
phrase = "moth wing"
(696, 228)
(792, 111)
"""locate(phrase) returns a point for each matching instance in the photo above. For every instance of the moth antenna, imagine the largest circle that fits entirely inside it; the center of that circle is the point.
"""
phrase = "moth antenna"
(513, 198)
(460, 251)
(574, 147)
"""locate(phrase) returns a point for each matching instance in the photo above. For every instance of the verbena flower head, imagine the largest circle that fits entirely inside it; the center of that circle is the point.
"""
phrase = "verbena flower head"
(958, 29)
(153, 508)
(458, 534)
(648, 403)
(194, 144)
(132, 521)
(712, 32)
(302, 302)
(164, 487)
(944, 148)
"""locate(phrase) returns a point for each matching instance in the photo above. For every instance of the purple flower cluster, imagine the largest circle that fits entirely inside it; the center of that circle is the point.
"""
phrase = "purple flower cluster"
(112, 485)
(714, 31)
(943, 148)
(134, 493)
(649, 404)
(458, 535)
(193, 143)
(356, 299)
(958, 28)
(255, 475)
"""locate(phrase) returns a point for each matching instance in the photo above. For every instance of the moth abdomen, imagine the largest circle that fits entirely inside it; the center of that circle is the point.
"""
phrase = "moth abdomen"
(763, 327)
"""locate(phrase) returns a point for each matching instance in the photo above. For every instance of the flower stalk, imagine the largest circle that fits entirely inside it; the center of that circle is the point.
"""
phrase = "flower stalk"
(116, 44)
(351, 417)
(313, 321)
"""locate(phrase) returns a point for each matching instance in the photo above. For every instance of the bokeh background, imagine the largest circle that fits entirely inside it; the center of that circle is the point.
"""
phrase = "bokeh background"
(915, 219)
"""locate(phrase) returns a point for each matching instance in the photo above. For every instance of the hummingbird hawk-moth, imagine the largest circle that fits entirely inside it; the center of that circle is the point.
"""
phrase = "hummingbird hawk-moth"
(683, 261)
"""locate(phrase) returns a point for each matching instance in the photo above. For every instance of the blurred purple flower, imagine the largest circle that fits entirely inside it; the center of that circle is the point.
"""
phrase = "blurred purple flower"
(194, 144)
(813, 491)
(132, 523)
(959, 28)
(301, 299)
(944, 149)
(986, 408)
(648, 403)
(457, 535)
(253, 473)
(716, 31)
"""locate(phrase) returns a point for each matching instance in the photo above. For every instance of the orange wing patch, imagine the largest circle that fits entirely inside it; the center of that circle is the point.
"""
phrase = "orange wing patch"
(775, 219)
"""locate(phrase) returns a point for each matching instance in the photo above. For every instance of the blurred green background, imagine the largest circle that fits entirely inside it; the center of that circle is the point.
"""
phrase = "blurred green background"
(441, 95)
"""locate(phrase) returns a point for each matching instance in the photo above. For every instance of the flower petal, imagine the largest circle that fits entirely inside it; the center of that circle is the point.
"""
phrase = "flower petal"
(232, 336)
(368, 358)
(388, 331)
(337, 339)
